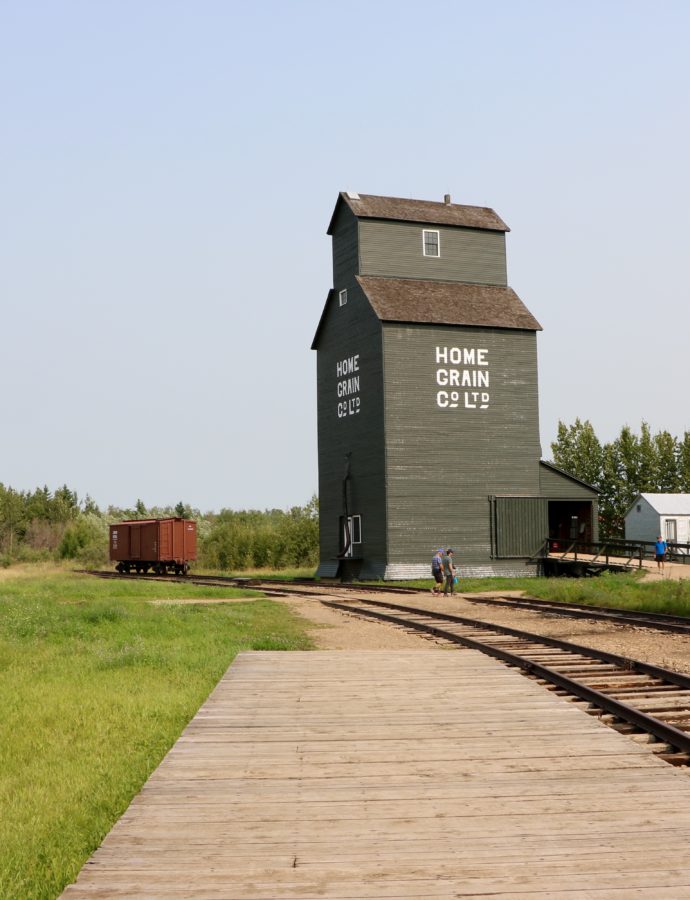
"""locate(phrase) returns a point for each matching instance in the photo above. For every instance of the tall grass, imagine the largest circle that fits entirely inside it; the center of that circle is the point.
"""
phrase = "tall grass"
(96, 683)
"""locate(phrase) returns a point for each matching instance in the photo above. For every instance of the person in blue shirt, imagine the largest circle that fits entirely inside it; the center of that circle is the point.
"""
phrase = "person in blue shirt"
(660, 549)
(437, 571)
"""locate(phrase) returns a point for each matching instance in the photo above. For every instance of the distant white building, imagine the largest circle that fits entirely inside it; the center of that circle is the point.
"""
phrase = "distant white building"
(659, 514)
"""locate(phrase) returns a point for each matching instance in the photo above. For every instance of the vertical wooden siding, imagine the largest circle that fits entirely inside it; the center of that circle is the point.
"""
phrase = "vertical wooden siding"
(521, 524)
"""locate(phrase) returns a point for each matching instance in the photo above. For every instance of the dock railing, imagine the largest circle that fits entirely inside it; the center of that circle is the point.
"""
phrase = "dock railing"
(613, 552)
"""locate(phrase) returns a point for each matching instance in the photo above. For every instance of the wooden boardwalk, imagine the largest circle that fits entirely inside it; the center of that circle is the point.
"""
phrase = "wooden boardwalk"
(387, 774)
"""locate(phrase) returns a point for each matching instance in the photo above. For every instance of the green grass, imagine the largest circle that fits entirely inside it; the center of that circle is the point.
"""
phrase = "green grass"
(96, 684)
(624, 591)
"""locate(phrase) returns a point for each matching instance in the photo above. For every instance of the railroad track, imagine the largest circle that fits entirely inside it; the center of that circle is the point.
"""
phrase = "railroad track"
(276, 587)
(648, 702)
(641, 619)
(306, 586)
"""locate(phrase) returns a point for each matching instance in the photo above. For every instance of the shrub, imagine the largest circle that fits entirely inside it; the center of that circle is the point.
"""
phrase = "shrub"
(85, 540)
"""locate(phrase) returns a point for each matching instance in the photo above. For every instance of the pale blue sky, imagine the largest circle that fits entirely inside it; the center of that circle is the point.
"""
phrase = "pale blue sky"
(168, 171)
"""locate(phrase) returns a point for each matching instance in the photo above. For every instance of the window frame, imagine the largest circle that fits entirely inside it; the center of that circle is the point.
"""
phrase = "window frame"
(353, 525)
(435, 231)
(342, 297)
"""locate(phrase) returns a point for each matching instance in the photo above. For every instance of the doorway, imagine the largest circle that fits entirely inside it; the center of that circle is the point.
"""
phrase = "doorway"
(570, 520)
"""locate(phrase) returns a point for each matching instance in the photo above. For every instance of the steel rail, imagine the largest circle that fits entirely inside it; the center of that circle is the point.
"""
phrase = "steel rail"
(660, 621)
(635, 665)
(669, 734)
(258, 583)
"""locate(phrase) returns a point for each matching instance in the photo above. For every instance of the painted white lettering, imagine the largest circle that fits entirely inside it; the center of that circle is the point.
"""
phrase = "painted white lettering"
(348, 386)
(347, 366)
(447, 400)
(471, 376)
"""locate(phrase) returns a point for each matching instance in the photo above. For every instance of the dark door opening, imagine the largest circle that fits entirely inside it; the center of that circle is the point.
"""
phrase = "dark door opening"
(570, 520)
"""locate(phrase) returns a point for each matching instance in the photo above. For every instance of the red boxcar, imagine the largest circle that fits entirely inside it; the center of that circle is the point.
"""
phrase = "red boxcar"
(162, 545)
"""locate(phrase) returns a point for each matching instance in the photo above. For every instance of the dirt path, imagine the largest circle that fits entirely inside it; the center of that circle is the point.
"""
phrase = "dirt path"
(334, 630)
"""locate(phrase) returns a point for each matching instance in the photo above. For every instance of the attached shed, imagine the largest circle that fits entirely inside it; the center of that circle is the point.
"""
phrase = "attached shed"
(659, 514)
(428, 418)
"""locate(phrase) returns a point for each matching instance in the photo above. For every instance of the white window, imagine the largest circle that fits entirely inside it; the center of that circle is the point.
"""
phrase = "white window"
(431, 242)
(671, 531)
(351, 534)
(342, 297)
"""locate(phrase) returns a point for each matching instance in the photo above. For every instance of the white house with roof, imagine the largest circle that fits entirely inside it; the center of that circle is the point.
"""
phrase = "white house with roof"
(659, 514)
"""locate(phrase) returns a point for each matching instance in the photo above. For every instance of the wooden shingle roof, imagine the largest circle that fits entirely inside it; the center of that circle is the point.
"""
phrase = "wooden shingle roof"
(428, 212)
(440, 303)
(447, 303)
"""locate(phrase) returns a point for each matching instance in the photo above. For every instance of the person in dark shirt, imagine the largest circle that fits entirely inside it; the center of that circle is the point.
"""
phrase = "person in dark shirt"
(448, 572)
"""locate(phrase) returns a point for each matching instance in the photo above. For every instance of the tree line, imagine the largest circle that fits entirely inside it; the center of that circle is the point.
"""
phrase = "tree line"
(45, 525)
(631, 464)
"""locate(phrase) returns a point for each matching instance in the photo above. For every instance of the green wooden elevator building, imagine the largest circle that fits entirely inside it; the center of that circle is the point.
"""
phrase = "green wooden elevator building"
(428, 418)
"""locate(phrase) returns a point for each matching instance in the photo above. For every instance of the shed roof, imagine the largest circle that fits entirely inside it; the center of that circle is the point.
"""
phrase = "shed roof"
(568, 475)
(428, 212)
(667, 504)
(447, 303)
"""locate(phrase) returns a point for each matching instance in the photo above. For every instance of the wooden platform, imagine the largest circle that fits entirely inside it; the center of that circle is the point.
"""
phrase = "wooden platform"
(672, 571)
(390, 774)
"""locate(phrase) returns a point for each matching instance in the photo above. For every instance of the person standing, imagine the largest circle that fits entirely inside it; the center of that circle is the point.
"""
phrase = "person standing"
(660, 548)
(448, 572)
(437, 571)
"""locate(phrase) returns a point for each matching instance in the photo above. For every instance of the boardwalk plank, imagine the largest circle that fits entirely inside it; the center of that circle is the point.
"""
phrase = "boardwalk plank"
(397, 775)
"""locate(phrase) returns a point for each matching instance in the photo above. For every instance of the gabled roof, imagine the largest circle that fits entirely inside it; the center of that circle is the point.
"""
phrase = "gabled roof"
(666, 504)
(427, 212)
(446, 303)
